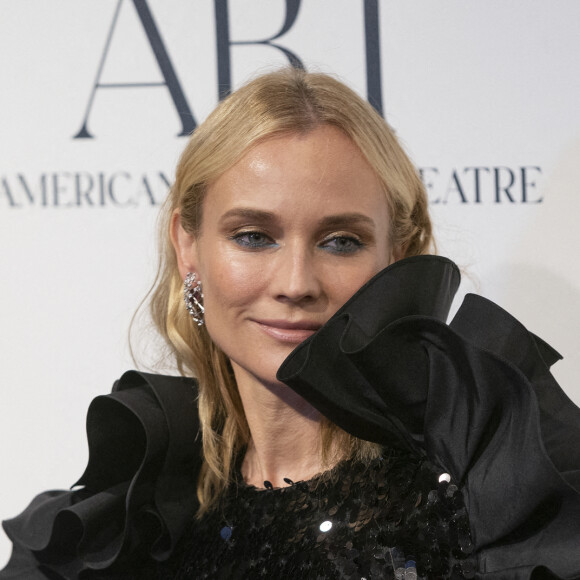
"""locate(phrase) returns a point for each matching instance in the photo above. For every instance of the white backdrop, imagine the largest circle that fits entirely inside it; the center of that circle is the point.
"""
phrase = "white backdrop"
(488, 84)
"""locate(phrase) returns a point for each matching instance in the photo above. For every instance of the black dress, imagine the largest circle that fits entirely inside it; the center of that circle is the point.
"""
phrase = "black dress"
(389, 518)
(481, 464)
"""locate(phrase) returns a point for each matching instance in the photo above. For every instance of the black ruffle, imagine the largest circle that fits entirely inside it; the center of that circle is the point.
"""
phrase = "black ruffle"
(137, 494)
(476, 397)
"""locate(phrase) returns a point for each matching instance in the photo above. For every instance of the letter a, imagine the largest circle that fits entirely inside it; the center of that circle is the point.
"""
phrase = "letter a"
(186, 117)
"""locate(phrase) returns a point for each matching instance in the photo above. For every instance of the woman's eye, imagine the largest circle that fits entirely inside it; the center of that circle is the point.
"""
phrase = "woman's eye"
(252, 240)
(342, 244)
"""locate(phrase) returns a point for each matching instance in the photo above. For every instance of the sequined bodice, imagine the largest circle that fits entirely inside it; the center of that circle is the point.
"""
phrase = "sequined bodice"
(389, 519)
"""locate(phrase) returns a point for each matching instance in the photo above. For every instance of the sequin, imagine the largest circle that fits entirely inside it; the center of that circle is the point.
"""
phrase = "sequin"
(392, 518)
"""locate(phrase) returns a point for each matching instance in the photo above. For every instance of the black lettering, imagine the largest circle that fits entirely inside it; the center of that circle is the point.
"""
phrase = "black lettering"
(455, 185)
(165, 180)
(102, 189)
(8, 193)
(32, 198)
(429, 184)
(527, 184)
(26, 188)
(186, 117)
(58, 189)
(505, 188)
(224, 42)
(84, 191)
(148, 190)
(477, 182)
(373, 55)
(111, 189)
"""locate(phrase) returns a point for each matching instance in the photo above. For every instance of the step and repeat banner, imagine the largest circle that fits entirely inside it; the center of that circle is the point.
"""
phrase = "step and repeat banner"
(97, 99)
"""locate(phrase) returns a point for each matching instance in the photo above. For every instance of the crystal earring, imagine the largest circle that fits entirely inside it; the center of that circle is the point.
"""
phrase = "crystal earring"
(193, 297)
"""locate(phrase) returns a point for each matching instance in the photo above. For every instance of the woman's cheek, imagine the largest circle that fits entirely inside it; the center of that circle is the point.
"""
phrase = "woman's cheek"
(233, 279)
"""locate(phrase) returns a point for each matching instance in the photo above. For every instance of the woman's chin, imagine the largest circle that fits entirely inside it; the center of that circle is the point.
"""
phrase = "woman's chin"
(264, 374)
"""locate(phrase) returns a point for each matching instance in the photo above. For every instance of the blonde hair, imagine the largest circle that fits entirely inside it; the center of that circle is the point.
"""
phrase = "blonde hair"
(284, 101)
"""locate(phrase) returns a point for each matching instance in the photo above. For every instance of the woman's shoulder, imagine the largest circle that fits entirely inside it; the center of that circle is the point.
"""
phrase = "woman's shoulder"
(135, 496)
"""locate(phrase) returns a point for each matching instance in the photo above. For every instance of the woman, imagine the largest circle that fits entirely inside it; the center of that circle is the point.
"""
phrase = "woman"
(338, 428)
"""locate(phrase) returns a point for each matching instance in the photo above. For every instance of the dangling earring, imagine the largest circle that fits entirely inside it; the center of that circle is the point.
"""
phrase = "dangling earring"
(193, 297)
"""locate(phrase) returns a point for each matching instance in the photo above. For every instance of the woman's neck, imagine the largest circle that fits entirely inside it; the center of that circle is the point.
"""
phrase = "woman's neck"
(285, 432)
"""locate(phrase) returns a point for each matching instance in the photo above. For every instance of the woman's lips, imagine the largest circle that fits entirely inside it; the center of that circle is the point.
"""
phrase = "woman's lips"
(286, 331)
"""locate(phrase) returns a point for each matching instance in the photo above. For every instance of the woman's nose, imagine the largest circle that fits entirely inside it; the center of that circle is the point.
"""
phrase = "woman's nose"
(296, 278)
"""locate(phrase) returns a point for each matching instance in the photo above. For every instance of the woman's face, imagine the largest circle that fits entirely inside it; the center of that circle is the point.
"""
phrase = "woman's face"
(288, 234)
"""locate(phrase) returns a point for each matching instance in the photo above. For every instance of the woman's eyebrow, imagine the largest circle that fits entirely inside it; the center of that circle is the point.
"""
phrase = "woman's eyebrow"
(249, 213)
(340, 220)
(331, 221)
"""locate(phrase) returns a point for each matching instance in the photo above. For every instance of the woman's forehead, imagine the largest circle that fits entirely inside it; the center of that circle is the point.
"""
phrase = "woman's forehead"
(322, 153)
(298, 177)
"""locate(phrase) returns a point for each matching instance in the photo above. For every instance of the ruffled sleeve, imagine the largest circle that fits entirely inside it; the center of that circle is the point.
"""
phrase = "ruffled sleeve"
(476, 397)
(135, 498)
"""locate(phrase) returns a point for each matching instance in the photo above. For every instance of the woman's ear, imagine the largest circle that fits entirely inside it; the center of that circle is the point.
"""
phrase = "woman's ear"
(184, 245)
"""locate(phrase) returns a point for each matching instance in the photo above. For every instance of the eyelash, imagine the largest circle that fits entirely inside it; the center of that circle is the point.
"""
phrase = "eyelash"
(354, 244)
(238, 238)
(244, 240)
